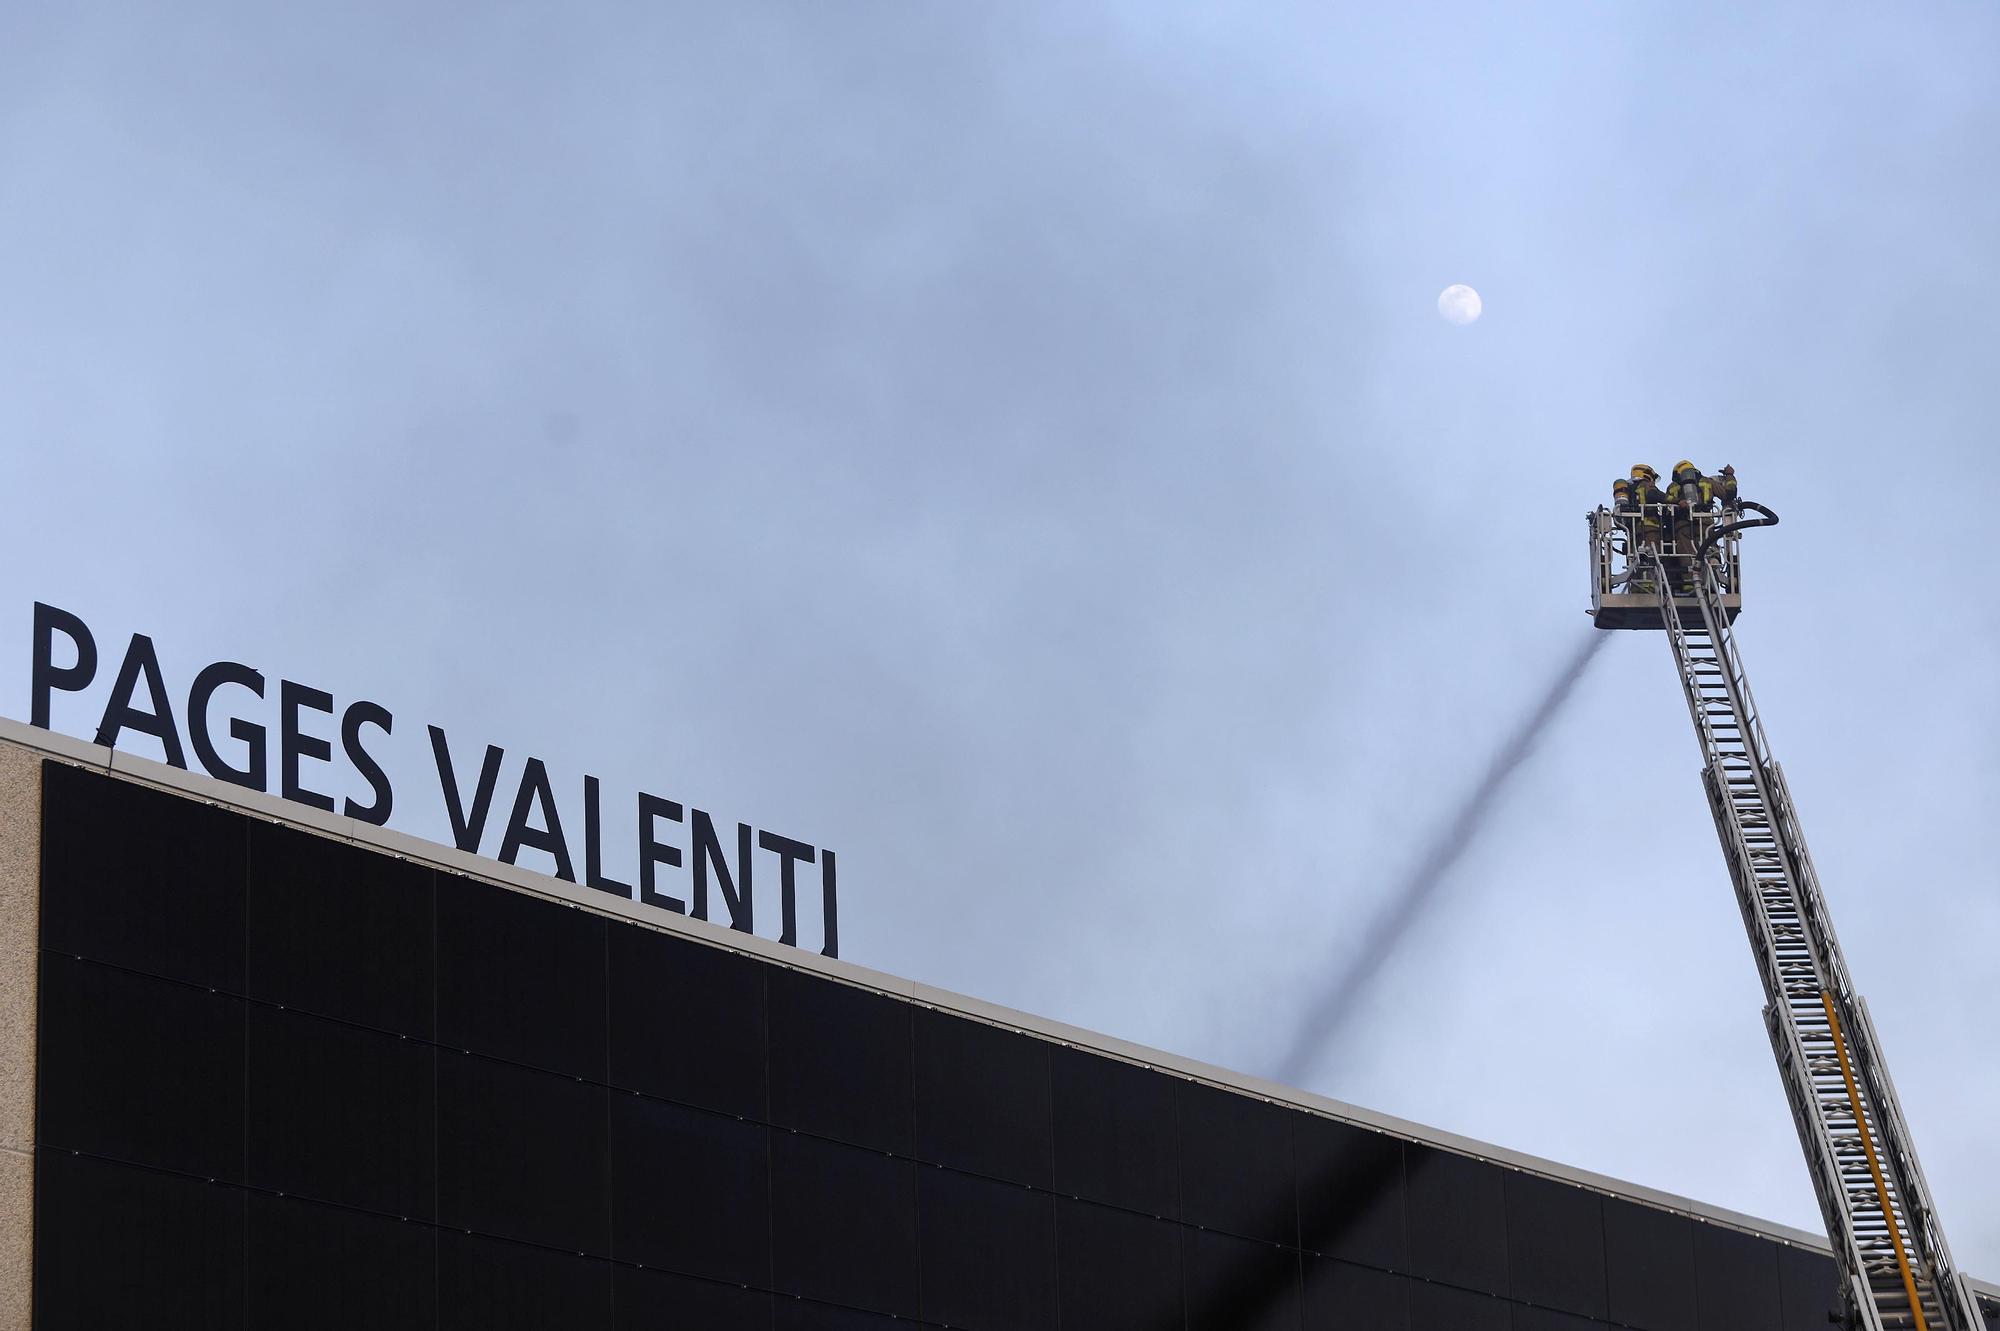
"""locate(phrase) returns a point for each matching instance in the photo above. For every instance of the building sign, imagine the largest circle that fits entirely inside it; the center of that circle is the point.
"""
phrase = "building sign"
(679, 850)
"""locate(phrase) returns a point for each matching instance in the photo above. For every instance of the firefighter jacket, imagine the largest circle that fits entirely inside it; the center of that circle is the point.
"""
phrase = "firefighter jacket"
(1696, 494)
(1647, 498)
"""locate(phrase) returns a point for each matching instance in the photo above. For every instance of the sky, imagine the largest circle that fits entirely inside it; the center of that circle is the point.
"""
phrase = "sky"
(1017, 447)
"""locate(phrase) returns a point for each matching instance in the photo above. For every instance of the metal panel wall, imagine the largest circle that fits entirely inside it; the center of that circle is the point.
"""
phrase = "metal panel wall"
(288, 1082)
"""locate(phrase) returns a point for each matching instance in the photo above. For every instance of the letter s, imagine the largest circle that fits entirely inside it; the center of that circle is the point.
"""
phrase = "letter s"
(359, 715)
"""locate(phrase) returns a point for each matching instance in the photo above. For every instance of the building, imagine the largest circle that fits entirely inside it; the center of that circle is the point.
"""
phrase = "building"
(269, 1068)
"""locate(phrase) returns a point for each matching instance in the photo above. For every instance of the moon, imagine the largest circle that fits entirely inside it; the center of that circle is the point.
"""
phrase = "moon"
(1460, 304)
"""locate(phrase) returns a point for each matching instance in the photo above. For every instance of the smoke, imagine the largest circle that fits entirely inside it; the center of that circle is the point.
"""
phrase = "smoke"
(1405, 905)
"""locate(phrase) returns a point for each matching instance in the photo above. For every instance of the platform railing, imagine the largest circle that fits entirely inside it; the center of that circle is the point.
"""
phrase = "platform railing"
(1618, 534)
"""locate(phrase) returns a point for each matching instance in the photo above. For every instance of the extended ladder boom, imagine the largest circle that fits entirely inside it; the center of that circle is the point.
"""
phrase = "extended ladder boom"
(1878, 1211)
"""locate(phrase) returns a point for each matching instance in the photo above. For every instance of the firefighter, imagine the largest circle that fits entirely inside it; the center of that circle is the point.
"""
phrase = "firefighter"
(1691, 500)
(1646, 503)
(1723, 486)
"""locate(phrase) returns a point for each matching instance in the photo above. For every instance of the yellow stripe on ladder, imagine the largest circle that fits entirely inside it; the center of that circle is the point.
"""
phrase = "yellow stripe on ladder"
(1874, 1165)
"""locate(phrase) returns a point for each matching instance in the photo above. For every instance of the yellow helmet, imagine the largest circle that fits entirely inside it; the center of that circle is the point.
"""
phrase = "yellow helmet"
(1642, 472)
(1685, 465)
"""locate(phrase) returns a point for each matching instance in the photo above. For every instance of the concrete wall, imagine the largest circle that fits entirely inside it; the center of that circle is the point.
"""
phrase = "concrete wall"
(20, 902)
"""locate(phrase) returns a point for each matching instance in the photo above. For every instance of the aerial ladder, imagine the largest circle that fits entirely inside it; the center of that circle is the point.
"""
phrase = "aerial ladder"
(1897, 1270)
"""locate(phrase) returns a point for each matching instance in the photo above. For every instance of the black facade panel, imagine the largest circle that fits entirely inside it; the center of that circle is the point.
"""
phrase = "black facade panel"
(1736, 1280)
(492, 1285)
(1236, 1165)
(1116, 1138)
(1649, 1267)
(650, 1132)
(139, 1069)
(1343, 1296)
(520, 978)
(840, 1062)
(687, 1022)
(1457, 1219)
(843, 1224)
(656, 1301)
(1809, 1289)
(522, 1154)
(1350, 1189)
(1555, 1245)
(117, 1246)
(987, 1251)
(141, 879)
(806, 1315)
(1549, 1319)
(690, 1191)
(1439, 1307)
(322, 1268)
(982, 1099)
(1116, 1270)
(1233, 1284)
(340, 1113)
(315, 908)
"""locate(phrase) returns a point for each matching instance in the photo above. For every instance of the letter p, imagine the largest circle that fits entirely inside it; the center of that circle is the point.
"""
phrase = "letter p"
(48, 676)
